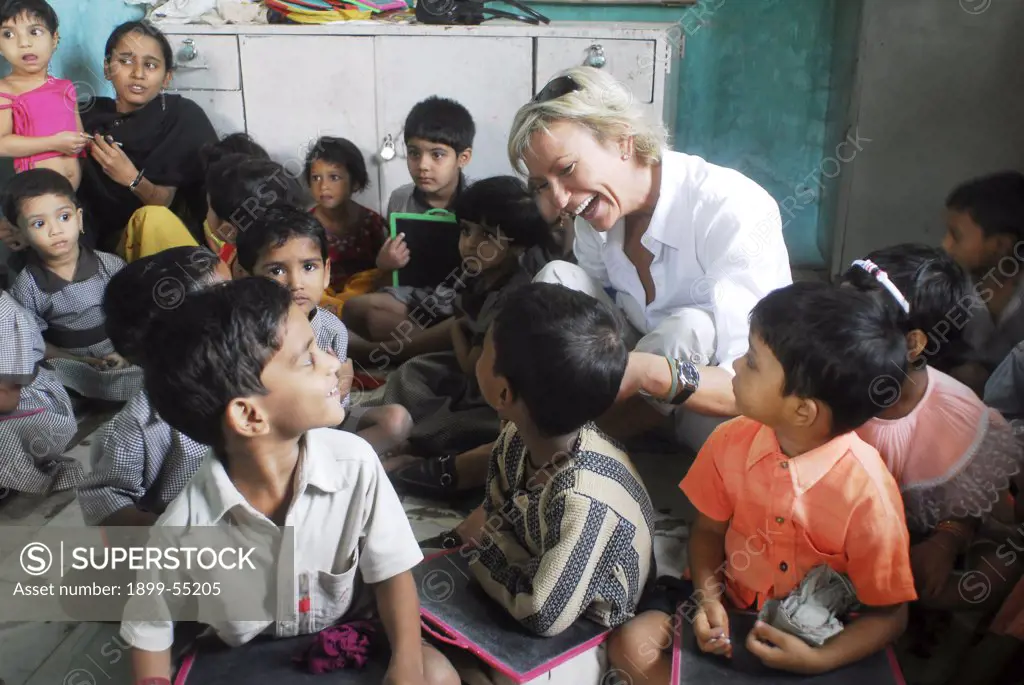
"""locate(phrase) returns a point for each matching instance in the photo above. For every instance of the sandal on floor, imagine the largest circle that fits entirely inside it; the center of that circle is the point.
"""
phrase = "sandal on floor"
(432, 478)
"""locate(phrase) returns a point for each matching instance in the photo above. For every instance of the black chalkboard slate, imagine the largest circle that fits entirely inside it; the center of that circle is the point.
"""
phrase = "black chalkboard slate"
(691, 666)
(455, 607)
(266, 661)
(433, 241)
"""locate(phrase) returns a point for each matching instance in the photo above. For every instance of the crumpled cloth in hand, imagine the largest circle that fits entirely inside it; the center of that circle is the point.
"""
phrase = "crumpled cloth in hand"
(811, 611)
(347, 646)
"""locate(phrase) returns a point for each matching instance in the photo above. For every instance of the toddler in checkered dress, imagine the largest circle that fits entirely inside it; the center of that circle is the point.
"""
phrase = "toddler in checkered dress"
(62, 286)
(139, 463)
(36, 420)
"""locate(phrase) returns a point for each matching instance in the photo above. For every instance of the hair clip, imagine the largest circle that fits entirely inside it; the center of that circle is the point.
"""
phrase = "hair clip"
(883, 278)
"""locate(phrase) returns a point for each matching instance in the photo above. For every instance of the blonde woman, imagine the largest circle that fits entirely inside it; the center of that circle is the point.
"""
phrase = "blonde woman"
(683, 249)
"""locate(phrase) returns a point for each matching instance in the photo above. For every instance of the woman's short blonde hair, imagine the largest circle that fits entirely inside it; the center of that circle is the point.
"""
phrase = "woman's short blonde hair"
(602, 104)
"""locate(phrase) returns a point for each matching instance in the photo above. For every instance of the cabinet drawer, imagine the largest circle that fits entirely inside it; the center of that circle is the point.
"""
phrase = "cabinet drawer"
(224, 108)
(630, 61)
(213, 65)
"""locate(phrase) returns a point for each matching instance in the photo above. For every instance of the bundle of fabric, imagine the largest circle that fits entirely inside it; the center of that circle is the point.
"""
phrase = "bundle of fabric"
(327, 11)
(214, 12)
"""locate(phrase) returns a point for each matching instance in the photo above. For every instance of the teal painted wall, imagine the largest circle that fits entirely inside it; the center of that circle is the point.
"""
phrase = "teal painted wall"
(84, 26)
(754, 88)
(753, 95)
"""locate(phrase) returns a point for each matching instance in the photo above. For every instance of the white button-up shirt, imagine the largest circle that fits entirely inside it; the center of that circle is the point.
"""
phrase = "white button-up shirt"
(347, 522)
(716, 238)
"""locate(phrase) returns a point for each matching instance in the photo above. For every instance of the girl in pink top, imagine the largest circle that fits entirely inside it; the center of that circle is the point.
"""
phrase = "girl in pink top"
(953, 458)
(39, 121)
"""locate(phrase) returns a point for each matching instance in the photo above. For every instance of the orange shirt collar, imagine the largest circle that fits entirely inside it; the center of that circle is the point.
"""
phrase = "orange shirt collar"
(809, 467)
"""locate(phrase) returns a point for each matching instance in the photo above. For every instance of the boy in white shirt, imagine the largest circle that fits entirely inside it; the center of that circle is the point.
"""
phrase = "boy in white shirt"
(245, 376)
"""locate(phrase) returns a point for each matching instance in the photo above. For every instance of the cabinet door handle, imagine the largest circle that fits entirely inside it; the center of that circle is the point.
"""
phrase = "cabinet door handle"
(595, 57)
(189, 51)
(187, 55)
(387, 152)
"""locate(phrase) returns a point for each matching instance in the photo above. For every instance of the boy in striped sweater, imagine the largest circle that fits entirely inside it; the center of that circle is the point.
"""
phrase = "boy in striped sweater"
(569, 529)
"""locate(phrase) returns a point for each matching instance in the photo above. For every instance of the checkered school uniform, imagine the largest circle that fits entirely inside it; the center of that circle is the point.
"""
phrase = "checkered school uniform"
(331, 334)
(70, 316)
(34, 436)
(138, 460)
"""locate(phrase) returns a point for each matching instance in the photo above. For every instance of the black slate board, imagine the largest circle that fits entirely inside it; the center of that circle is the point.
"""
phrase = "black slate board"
(693, 666)
(267, 661)
(450, 596)
(433, 252)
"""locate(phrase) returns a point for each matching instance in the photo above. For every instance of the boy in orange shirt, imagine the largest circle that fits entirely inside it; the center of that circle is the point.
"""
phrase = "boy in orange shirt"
(788, 486)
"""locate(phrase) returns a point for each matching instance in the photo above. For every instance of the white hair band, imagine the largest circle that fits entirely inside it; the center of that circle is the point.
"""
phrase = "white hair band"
(883, 278)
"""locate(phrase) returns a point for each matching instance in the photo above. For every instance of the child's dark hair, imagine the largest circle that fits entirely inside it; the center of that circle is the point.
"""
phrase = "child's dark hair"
(561, 351)
(343, 153)
(143, 28)
(503, 202)
(994, 202)
(31, 184)
(936, 287)
(840, 346)
(242, 188)
(145, 288)
(223, 337)
(39, 10)
(274, 229)
(231, 144)
(441, 120)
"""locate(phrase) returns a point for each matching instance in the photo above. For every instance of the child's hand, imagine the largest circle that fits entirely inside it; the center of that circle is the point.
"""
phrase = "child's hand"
(394, 254)
(115, 361)
(9, 236)
(932, 562)
(783, 651)
(100, 364)
(70, 142)
(10, 396)
(711, 628)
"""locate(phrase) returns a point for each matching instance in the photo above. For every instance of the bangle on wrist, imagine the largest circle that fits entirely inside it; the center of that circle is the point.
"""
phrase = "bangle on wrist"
(138, 179)
(673, 371)
(957, 539)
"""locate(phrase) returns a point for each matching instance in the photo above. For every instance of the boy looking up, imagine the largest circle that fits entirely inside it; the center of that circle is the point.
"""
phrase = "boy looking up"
(246, 377)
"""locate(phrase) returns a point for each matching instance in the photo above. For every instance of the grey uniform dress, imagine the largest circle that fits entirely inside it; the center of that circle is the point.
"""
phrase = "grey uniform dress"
(34, 436)
(331, 336)
(138, 460)
(70, 316)
(450, 414)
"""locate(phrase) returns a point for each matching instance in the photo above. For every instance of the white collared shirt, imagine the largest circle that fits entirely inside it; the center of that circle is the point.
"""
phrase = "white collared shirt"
(716, 238)
(347, 521)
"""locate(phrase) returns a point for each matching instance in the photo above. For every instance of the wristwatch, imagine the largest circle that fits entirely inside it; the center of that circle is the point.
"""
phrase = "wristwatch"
(685, 380)
(688, 378)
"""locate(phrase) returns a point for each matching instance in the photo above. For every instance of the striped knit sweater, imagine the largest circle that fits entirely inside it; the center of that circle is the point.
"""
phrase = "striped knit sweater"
(580, 544)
